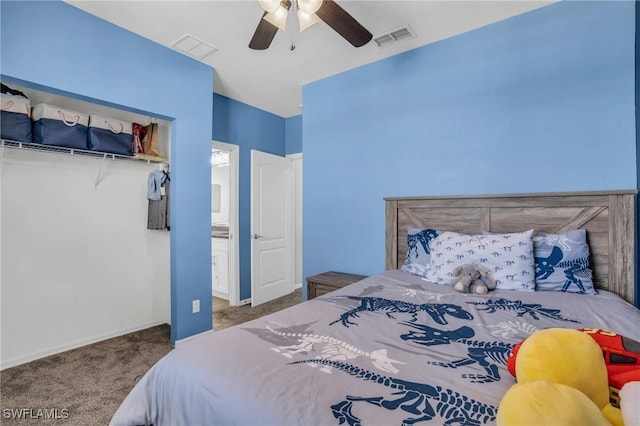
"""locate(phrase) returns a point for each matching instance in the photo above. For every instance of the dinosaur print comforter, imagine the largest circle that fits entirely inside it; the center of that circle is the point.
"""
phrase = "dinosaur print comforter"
(392, 349)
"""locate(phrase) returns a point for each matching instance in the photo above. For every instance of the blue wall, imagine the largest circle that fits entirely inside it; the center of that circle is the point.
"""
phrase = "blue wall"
(293, 134)
(540, 102)
(250, 128)
(53, 46)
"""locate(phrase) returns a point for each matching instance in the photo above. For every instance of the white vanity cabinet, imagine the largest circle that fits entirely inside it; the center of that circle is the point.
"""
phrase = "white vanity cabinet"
(220, 264)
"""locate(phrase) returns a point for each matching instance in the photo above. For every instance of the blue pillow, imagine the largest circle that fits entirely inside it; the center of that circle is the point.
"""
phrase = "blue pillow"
(417, 260)
(562, 262)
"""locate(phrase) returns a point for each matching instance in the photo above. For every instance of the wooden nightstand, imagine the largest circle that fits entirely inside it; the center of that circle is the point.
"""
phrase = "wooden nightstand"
(329, 281)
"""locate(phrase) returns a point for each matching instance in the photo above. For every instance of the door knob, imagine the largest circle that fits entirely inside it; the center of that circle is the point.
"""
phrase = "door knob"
(256, 236)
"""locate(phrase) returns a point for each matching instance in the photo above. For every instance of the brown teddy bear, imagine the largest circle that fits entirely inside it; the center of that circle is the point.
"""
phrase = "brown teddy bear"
(471, 278)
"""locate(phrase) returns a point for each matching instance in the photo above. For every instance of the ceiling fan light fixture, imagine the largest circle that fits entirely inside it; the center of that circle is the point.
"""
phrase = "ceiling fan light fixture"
(279, 17)
(309, 6)
(306, 20)
(269, 5)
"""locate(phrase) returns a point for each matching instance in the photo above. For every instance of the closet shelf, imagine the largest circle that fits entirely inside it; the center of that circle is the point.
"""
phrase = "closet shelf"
(72, 151)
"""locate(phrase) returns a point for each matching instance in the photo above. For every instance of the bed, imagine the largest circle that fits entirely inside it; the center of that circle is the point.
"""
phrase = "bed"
(396, 348)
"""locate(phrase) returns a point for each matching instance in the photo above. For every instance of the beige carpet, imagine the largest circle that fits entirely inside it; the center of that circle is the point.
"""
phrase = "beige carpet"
(225, 315)
(85, 386)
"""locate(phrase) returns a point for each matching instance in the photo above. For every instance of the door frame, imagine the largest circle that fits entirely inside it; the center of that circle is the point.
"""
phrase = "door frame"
(234, 219)
(296, 197)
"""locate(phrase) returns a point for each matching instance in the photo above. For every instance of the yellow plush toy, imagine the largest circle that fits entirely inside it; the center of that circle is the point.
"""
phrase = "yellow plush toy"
(544, 403)
(549, 363)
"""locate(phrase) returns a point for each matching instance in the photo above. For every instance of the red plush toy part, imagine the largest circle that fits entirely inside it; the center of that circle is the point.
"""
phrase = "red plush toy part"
(621, 356)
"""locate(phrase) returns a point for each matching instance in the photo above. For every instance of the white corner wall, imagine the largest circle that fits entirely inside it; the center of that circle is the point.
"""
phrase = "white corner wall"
(78, 264)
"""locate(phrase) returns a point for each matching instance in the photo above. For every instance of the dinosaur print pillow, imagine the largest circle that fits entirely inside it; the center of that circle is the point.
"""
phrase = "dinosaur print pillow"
(508, 256)
(562, 262)
(417, 260)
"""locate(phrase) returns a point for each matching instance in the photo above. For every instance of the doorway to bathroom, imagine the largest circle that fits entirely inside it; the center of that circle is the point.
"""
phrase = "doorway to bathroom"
(224, 224)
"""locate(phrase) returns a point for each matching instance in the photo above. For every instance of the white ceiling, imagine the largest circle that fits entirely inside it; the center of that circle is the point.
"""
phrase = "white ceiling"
(272, 79)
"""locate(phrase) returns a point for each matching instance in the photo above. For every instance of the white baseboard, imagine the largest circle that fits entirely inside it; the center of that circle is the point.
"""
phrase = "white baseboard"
(187, 339)
(244, 302)
(297, 286)
(219, 295)
(23, 359)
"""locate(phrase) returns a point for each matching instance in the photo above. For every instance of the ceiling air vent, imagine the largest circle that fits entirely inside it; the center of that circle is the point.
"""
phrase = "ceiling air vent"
(394, 36)
(384, 40)
(193, 47)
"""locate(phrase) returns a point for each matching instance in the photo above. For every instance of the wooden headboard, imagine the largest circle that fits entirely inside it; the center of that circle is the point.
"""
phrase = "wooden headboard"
(608, 217)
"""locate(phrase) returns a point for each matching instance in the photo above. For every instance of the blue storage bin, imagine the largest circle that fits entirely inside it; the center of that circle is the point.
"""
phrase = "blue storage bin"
(110, 135)
(15, 117)
(53, 125)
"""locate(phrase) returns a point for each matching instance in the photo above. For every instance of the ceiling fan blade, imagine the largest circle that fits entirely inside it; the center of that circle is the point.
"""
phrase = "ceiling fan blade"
(265, 32)
(344, 24)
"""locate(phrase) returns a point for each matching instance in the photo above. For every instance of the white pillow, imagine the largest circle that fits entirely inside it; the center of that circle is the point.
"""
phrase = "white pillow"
(508, 256)
(630, 403)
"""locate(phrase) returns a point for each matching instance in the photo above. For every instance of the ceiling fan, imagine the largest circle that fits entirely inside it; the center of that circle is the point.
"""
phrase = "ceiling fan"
(309, 12)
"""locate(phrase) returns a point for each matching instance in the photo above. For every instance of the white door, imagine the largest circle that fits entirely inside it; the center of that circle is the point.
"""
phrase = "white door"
(271, 227)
